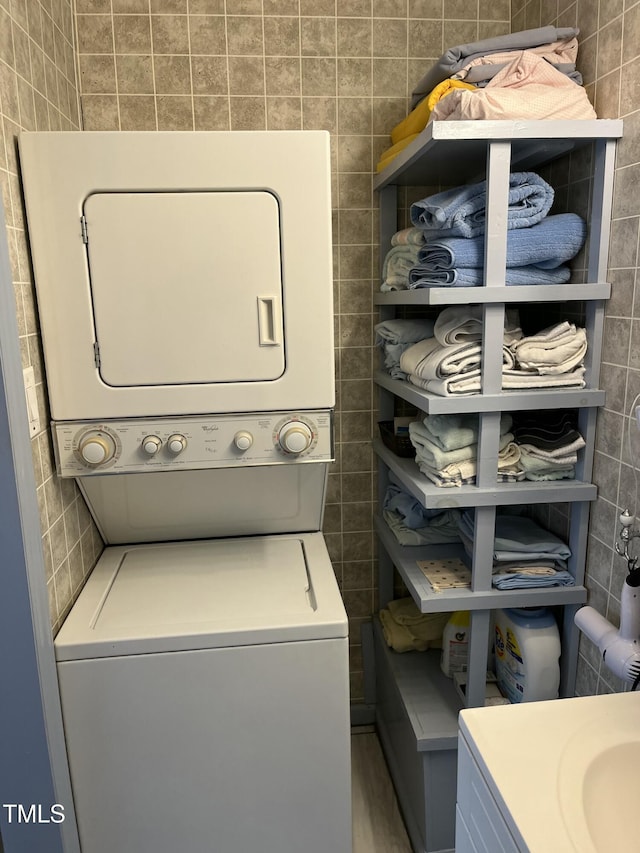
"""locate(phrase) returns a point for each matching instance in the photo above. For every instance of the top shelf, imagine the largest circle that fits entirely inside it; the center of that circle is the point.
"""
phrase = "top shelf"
(426, 162)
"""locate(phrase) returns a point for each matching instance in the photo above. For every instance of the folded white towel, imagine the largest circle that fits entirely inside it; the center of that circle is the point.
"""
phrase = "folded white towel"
(463, 472)
(556, 349)
(430, 360)
(512, 380)
(463, 323)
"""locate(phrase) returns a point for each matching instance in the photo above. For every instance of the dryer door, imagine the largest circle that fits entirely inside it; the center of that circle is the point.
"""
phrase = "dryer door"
(185, 288)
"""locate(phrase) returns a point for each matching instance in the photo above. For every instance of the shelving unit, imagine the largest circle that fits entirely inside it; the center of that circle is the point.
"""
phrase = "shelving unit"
(416, 712)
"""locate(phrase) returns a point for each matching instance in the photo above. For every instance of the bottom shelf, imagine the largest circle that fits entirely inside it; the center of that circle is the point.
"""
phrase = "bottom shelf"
(417, 719)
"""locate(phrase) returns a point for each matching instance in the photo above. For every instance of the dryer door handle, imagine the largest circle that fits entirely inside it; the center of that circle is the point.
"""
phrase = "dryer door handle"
(269, 321)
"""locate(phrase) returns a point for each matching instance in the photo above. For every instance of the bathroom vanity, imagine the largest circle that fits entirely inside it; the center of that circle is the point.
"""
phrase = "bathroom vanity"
(549, 776)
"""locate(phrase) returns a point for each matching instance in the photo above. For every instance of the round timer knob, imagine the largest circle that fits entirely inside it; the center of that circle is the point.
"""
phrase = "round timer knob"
(295, 437)
(243, 440)
(151, 445)
(97, 448)
(176, 444)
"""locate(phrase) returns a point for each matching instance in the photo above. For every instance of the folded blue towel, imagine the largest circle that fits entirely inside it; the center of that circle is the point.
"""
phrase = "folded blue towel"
(516, 580)
(474, 276)
(461, 212)
(547, 245)
(518, 537)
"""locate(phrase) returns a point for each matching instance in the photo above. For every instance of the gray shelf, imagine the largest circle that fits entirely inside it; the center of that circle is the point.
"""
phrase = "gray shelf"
(501, 494)
(453, 152)
(506, 401)
(428, 696)
(405, 559)
(492, 293)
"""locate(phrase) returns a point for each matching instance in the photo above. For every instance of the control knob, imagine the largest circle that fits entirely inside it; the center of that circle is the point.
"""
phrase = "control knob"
(151, 445)
(243, 440)
(96, 447)
(295, 437)
(176, 444)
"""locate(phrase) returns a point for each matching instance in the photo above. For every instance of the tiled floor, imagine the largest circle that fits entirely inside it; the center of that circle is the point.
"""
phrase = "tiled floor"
(377, 823)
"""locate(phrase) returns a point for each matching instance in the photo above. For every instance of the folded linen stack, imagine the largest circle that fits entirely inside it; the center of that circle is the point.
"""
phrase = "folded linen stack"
(549, 443)
(406, 629)
(485, 79)
(395, 336)
(414, 525)
(537, 254)
(524, 555)
(449, 363)
(447, 449)
(400, 258)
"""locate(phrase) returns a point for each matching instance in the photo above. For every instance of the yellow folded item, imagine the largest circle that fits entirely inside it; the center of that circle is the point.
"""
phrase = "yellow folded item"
(387, 156)
(419, 117)
(419, 635)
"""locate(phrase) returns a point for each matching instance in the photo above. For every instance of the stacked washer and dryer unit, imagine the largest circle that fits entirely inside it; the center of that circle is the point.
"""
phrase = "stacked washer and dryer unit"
(184, 287)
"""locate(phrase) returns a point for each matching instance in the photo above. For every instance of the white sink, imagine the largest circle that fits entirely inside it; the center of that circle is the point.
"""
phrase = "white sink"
(566, 773)
(598, 778)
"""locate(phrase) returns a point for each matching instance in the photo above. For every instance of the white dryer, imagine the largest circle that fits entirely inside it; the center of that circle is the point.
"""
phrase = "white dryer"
(185, 297)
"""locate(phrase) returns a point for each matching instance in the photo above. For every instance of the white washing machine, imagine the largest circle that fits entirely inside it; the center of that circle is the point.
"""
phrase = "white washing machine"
(185, 298)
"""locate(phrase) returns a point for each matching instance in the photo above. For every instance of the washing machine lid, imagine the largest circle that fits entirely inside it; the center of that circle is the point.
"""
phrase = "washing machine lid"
(206, 594)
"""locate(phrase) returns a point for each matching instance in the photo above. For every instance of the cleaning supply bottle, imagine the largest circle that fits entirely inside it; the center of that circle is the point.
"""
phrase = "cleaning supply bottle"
(527, 653)
(455, 644)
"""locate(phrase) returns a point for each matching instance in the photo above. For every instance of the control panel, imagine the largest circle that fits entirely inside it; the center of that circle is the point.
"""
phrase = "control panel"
(216, 441)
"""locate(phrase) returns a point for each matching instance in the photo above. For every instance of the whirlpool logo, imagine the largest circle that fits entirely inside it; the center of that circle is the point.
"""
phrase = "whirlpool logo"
(34, 813)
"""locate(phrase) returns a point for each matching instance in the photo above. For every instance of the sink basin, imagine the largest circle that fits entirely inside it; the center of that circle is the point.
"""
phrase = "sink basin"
(563, 772)
(598, 777)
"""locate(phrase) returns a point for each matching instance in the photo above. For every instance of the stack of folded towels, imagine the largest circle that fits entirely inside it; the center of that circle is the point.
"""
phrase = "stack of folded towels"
(445, 247)
(447, 449)
(406, 629)
(527, 75)
(449, 363)
(412, 524)
(543, 446)
(548, 443)
(395, 336)
(524, 555)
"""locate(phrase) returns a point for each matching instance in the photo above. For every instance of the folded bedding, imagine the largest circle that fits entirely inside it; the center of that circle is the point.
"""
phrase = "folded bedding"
(455, 58)
(461, 211)
(561, 54)
(527, 88)
(547, 245)
(406, 506)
